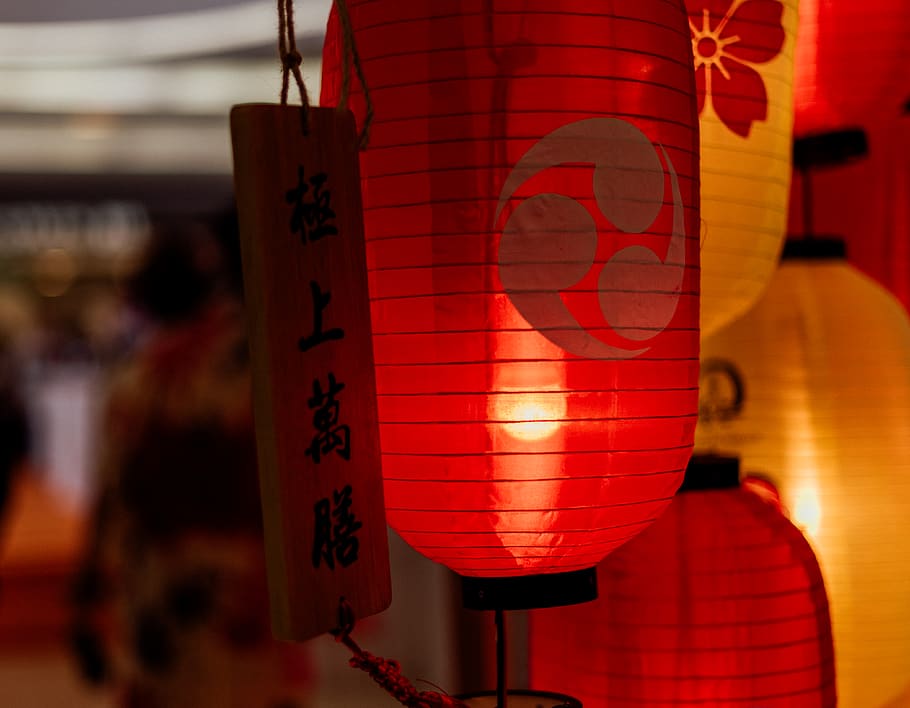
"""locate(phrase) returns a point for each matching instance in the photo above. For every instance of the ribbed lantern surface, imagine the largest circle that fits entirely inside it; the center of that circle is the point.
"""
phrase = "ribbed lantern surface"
(852, 62)
(824, 360)
(719, 604)
(531, 215)
(744, 72)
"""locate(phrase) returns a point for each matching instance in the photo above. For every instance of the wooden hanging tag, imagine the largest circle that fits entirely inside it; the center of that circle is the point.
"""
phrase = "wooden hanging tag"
(314, 389)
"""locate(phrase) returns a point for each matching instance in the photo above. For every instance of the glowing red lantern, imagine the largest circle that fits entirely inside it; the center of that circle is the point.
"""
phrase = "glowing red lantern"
(531, 216)
(720, 603)
(852, 58)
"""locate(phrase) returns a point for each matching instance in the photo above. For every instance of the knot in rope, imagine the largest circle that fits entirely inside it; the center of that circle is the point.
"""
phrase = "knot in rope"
(292, 59)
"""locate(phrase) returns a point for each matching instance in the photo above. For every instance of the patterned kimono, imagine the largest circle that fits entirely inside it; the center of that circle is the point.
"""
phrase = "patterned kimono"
(177, 555)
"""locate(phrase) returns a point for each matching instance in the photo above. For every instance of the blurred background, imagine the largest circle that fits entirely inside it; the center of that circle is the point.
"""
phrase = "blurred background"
(114, 128)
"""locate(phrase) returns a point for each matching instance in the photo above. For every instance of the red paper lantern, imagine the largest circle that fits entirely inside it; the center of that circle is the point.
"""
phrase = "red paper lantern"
(852, 59)
(531, 217)
(720, 603)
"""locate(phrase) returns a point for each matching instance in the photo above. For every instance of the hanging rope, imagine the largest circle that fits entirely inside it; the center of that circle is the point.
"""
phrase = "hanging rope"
(387, 672)
(290, 57)
(350, 51)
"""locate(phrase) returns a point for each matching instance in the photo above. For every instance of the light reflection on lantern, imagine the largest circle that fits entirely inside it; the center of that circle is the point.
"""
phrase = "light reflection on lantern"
(807, 510)
(532, 415)
(528, 397)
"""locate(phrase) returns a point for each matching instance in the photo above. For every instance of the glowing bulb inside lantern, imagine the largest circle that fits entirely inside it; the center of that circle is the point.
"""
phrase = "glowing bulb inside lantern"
(807, 511)
(529, 415)
(528, 399)
(538, 419)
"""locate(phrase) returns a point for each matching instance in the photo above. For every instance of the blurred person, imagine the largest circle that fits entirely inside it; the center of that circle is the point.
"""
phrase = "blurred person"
(176, 545)
(14, 426)
(16, 323)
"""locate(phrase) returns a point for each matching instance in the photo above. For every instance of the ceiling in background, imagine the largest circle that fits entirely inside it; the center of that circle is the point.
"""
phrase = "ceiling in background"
(187, 33)
(138, 86)
(66, 10)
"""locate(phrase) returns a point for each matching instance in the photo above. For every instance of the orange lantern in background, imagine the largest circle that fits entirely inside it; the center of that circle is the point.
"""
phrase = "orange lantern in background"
(852, 59)
(719, 604)
(824, 360)
(530, 195)
(744, 74)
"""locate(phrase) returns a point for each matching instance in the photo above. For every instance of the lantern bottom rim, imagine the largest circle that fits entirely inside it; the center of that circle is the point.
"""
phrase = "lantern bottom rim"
(528, 592)
(535, 698)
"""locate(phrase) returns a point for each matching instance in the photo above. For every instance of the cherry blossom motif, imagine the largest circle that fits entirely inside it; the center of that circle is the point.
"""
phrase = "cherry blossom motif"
(729, 38)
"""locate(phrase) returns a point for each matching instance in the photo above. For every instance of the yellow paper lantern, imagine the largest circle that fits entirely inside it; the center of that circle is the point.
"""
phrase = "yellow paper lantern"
(824, 362)
(744, 71)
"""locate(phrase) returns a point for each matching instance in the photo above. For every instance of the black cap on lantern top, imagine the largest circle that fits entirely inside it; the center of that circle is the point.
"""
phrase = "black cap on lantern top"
(814, 248)
(831, 149)
(706, 472)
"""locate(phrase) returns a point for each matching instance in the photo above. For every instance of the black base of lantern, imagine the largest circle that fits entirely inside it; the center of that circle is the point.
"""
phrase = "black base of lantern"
(522, 699)
(530, 592)
(814, 248)
(711, 472)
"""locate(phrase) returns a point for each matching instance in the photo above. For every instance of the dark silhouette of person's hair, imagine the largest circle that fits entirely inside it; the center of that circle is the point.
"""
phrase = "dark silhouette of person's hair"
(177, 275)
(15, 435)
